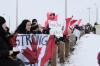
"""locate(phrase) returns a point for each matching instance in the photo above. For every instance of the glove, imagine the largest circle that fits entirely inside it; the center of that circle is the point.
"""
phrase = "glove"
(10, 52)
(15, 51)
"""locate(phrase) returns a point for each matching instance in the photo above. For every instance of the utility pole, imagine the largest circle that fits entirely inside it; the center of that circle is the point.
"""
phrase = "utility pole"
(96, 14)
(16, 13)
(65, 8)
(89, 14)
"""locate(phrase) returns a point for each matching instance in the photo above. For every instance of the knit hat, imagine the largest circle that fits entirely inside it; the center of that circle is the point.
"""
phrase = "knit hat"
(34, 24)
(2, 20)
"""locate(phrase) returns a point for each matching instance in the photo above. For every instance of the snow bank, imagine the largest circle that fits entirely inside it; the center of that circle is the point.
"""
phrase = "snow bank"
(86, 51)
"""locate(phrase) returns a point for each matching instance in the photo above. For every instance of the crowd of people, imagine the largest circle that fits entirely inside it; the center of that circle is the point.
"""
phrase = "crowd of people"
(8, 52)
(70, 40)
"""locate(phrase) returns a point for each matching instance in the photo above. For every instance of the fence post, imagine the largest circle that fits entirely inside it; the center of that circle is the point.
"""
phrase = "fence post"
(62, 54)
(53, 59)
(67, 48)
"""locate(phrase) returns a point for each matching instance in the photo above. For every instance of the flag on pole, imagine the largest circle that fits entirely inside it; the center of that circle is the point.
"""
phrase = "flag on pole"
(67, 25)
(79, 21)
(72, 22)
(76, 22)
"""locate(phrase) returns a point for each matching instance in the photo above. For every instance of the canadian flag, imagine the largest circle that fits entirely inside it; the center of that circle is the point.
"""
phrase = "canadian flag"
(36, 48)
(70, 23)
(67, 25)
(79, 21)
(75, 22)
(48, 51)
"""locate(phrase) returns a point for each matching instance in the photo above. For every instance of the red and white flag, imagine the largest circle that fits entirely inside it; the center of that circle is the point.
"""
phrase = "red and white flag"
(79, 21)
(76, 22)
(73, 22)
(36, 48)
(67, 25)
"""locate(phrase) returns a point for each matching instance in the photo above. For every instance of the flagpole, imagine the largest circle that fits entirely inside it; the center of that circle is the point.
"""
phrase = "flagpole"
(16, 13)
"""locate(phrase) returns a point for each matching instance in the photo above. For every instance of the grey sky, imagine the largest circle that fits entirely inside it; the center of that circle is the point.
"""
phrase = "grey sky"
(37, 9)
(29, 9)
(79, 9)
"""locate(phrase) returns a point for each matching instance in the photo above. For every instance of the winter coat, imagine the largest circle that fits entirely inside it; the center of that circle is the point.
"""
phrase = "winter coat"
(94, 30)
(4, 54)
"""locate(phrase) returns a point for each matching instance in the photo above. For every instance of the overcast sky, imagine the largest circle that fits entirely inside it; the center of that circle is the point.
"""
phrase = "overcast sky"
(79, 9)
(29, 9)
(38, 9)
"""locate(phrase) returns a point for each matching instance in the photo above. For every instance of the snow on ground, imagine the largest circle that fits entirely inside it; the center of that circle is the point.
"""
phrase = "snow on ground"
(86, 51)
